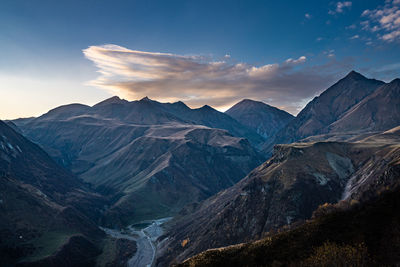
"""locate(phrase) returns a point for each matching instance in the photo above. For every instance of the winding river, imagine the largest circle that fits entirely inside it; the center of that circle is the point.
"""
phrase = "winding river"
(145, 235)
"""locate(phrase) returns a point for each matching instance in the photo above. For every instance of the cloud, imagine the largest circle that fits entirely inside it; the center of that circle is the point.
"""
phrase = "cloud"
(385, 72)
(354, 37)
(307, 16)
(384, 21)
(329, 53)
(197, 80)
(340, 7)
(351, 27)
(300, 60)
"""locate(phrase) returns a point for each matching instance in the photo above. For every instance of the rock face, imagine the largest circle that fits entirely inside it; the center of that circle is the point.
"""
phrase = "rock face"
(378, 111)
(262, 118)
(150, 158)
(346, 234)
(380, 170)
(42, 206)
(332, 105)
(285, 189)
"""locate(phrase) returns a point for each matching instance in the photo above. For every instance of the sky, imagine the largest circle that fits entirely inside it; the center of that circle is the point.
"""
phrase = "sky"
(283, 53)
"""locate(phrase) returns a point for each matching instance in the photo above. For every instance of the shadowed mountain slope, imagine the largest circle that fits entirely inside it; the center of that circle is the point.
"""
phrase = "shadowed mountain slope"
(378, 111)
(285, 189)
(262, 118)
(346, 234)
(42, 206)
(150, 158)
(327, 108)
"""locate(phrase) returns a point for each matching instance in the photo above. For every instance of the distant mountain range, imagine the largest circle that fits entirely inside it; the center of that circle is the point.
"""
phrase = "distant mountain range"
(152, 158)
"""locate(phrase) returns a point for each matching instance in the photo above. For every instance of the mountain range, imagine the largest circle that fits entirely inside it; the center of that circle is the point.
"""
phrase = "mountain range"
(150, 158)
(278, 192)
(250, 173)
(352, 106)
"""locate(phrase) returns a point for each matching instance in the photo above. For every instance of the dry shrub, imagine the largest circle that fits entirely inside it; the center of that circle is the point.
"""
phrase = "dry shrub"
(334, 255)
(329, 208)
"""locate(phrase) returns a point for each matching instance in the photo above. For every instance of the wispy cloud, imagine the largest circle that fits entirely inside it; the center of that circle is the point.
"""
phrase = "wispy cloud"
(340, 7)
(307, 16)
(329, 53)
(385, 72)
(199, 80)
(384, 21)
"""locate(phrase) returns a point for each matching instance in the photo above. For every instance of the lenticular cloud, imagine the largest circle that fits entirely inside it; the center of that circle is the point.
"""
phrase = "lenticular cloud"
(198, 80)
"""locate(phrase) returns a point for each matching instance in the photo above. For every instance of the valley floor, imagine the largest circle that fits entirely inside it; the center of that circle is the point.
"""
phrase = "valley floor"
(145, 235)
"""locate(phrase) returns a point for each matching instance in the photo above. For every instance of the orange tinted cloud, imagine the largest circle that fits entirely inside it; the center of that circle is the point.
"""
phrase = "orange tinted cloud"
(198, 80)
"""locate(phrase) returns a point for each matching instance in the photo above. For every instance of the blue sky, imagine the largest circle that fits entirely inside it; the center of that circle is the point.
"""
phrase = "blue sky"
(280, 52)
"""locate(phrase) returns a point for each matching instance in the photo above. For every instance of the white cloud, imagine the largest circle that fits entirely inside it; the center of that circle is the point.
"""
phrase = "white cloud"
(340, 7)
(394, 35)
(300, 60)
(354, 37)
(307, 16)
(197, 80)
(384, 21)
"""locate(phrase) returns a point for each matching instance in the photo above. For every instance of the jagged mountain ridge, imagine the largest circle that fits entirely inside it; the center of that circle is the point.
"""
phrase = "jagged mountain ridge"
(150, 112)
(378, 111)
(142, 153)
(317, 116)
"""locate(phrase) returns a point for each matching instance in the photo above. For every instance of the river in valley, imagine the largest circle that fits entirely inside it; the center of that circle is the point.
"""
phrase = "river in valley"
(145, 235)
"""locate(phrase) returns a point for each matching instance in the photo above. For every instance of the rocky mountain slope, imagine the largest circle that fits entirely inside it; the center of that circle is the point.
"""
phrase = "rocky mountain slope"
(378, 111)
(262, 118)
(345, 234)
(332, 105)
(46, 212)
(285, 189)
(150, 158)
